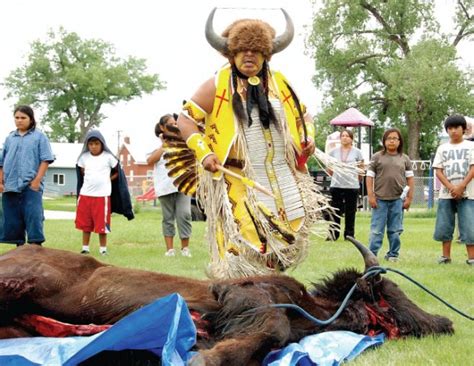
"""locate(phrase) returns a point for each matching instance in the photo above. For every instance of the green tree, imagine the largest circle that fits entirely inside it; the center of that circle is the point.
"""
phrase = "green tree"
(388, 59)
(71, 79)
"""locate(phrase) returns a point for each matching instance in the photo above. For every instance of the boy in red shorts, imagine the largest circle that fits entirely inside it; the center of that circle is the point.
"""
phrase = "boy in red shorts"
(98, 167)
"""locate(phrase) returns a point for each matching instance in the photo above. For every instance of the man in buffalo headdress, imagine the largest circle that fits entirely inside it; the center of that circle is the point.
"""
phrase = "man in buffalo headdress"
(248, 119)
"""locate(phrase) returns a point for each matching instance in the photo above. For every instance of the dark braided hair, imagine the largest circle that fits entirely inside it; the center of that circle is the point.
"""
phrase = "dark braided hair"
(237, 104)
(271, 112)
(265, 77)
(236, 99)
(300, 112)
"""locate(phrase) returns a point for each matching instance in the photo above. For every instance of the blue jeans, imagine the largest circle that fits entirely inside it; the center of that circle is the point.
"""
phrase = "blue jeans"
(388, 213)
(23, 213)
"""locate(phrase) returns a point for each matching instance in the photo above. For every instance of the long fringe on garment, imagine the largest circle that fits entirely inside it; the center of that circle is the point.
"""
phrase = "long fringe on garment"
(327, 162)
(231, 254)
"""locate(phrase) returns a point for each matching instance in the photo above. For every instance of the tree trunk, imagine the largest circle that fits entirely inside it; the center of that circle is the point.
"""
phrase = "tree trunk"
(414, 128)
(413, 150)
(82, 127)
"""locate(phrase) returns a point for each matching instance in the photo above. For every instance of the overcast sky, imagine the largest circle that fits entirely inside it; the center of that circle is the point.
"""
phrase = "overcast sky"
(170, 36)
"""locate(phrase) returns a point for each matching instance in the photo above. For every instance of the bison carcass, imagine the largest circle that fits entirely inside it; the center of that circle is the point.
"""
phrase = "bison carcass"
(236, 316)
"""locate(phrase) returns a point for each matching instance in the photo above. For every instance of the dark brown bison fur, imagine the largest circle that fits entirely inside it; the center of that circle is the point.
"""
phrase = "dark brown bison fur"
(410, 319)
(237, 316)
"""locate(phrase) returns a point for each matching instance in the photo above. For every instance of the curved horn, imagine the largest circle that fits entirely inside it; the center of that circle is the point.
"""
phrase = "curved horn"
(282, 41)
(216, 41)
(369, 258)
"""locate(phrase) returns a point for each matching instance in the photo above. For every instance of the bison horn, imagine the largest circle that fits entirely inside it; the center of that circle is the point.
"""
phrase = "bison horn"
(369, 258)
(282, 41)
(216, 41)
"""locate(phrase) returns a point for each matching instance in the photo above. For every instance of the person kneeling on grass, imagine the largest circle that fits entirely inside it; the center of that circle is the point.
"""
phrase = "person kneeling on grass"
(97, 168)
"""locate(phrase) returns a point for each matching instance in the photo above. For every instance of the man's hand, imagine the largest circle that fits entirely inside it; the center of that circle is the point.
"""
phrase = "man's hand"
(35, 185)
(211, 162)
(372, 201)
(457, 191)
(308, 147)
(407, 203)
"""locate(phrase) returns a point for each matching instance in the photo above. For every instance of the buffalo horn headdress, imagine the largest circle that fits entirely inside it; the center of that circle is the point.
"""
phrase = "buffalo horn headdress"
(249, 34)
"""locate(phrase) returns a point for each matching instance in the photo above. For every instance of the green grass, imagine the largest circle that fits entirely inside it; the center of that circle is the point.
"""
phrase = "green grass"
(139, 244)
(66, 203)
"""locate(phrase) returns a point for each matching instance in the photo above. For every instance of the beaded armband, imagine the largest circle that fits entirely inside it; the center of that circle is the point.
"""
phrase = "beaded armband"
(194, 112)
(197, 143)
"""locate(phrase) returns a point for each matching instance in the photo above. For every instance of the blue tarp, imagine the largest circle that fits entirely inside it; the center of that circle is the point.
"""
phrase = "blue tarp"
(324, 349)
(164, 327)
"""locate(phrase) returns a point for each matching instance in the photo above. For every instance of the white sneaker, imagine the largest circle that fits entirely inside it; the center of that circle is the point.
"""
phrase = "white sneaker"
(185, 252)
(170, 253)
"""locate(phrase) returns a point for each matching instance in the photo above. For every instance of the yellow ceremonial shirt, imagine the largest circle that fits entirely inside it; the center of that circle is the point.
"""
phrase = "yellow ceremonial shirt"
(221, 124)
(220, 135)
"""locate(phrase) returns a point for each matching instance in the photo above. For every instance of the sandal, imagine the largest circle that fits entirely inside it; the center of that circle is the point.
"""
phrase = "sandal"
(444, 260)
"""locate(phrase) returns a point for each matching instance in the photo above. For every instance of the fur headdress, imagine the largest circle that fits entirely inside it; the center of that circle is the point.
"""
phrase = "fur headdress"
(249, 34)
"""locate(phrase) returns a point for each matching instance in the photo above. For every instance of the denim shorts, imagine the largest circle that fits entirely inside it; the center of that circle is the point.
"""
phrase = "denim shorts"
(445, 220)
(23, 214)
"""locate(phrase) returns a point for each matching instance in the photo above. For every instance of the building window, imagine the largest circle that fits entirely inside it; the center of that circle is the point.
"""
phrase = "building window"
(149, 174)
(58, 179)
(129, 160)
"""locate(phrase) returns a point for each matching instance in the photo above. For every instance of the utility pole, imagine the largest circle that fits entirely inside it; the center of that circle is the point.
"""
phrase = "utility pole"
(119, 134)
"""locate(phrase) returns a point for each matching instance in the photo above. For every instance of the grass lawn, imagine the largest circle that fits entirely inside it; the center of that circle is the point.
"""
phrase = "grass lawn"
(139, 244)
